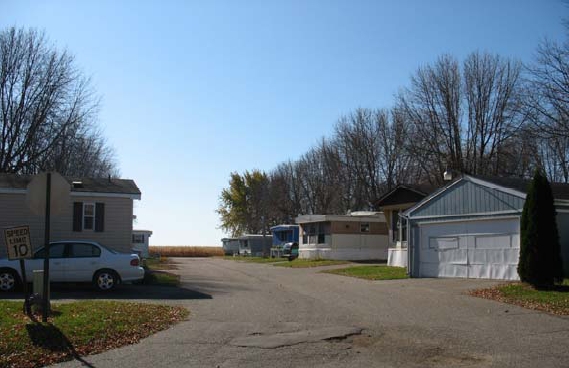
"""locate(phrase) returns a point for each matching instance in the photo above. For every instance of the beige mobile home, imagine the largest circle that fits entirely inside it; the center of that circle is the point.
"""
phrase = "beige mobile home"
(358, 236)
(97, 209)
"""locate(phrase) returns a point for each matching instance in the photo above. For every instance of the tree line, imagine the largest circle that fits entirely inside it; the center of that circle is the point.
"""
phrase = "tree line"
(486, 115)
(48, 111)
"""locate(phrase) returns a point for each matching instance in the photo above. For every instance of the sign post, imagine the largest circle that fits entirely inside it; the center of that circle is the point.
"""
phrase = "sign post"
(45, 311)
(47, 193)
(20, 247)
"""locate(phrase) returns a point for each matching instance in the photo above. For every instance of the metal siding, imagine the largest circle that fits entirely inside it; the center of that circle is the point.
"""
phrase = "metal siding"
(118, 222)
(414, 254)
(469, 198)
(471, 249)
(563, 228)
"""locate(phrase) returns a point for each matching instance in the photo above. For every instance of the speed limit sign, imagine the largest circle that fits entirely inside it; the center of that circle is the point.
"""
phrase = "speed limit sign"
(18, 242)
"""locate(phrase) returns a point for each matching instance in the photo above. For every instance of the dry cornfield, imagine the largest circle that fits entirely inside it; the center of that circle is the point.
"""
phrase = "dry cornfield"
(185, 251)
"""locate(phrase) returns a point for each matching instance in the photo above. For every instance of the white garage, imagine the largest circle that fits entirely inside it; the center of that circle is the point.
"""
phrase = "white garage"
(486, 249)
(471, 229)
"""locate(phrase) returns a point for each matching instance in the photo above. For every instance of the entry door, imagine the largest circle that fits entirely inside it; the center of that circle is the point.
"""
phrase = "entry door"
(470, 249)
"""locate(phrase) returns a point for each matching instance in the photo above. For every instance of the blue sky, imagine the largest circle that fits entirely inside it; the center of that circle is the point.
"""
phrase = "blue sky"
(193, 90)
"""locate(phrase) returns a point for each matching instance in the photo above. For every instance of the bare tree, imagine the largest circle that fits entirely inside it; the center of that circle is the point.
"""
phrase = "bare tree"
(492, 87)
(547, 93)
(432, 107)
(47, 110)
(396, 164)
(461, 119)
(317, 174)
(357, 137)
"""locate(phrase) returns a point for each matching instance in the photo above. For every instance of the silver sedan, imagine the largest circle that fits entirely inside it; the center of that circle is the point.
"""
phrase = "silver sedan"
(76, 261)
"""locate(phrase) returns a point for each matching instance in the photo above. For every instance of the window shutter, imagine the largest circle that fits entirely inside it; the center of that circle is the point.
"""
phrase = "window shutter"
(99, 217)
(77, 216)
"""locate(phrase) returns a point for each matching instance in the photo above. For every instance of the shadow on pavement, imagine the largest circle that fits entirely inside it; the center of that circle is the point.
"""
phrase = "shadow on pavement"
(125, 291)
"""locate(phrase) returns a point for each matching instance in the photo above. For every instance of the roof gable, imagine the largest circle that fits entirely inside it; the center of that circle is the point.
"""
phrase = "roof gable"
(468, 196)
(89, 185)
(405, 193)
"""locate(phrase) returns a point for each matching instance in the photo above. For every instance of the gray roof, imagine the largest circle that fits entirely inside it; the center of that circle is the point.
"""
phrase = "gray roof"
(88, 185)
(559, 190)
(405, 193)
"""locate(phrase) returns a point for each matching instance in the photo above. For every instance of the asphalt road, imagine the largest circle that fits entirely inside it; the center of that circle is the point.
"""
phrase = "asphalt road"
(253, 315)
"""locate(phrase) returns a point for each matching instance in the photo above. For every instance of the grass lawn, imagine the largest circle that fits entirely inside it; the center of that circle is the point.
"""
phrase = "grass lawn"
(161, 264)
(372, 272)
(554, 301)
(160, 278)
(306, 263)
(155, 275)
(254, 259)
(77, 329)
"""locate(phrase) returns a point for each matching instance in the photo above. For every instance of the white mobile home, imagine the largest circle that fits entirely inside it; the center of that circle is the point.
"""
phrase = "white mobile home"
(358, 236)
(255, 245)
(141, 242)
(392, 204)
(230, 246)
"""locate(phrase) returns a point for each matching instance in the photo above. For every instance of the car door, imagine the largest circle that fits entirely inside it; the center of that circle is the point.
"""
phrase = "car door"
(57, 262)
(82, 262)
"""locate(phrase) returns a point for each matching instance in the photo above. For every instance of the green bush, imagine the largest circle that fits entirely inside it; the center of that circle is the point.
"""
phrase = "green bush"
(540, 253)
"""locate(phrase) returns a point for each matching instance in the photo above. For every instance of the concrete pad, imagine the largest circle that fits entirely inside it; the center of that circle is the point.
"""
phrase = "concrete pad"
(294, 338)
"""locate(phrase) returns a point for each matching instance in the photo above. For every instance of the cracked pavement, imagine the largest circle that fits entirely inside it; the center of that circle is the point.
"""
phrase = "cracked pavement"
(257, 315)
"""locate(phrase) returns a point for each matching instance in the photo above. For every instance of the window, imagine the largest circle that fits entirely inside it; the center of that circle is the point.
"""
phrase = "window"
(138, 238)
(364, 227)
(88, 216)
(55, 251)
(84, 250)
(315, 233)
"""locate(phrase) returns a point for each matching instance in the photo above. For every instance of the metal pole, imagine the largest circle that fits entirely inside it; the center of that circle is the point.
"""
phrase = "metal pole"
(27, 309)
(46, 259)
(264, 243)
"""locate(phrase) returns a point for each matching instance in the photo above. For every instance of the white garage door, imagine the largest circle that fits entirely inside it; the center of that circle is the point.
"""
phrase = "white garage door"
(471, 249)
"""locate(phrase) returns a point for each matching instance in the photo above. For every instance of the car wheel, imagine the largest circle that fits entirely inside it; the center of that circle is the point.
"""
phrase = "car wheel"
(8, 280)
(105, 280)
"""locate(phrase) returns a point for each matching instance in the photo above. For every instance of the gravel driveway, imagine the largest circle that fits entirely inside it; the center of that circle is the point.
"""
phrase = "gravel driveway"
(255, 315)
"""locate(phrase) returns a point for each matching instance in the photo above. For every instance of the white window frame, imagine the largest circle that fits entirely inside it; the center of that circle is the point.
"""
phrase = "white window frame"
(85, 204)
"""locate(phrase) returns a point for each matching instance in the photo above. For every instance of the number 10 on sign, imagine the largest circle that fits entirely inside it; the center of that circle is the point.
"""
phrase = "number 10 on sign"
(18, 242)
